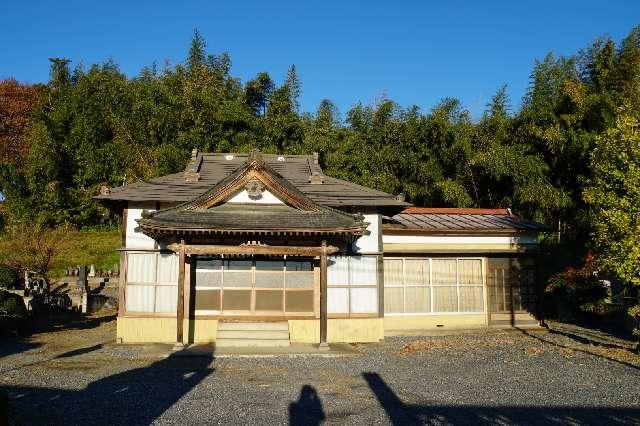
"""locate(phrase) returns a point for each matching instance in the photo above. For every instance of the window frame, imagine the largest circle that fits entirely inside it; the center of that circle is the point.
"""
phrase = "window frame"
(350, 287)
(431, 285)
(253, 288)
(154, 284)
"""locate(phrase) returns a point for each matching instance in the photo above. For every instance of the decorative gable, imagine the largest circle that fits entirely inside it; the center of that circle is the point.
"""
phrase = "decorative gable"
(253, 200)
(254, 182)
(253, 196)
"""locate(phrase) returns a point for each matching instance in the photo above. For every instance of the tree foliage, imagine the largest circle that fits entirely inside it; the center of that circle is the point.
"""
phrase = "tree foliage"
(88, 127)
(614, 193)
(35, 248)
(17, 102)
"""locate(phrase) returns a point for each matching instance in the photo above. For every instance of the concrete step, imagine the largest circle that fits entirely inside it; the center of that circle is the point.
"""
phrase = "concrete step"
(237, 343)
(253, 334)
(264, 326)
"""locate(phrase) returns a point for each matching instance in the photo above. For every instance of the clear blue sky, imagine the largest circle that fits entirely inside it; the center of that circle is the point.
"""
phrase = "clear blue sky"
(348, 51)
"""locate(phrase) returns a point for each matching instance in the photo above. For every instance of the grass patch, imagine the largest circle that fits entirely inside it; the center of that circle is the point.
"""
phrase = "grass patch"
(98, 247)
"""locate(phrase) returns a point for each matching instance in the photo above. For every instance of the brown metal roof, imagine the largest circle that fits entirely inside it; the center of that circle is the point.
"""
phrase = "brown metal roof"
(213, 168)
(459, 221)
(456, 211)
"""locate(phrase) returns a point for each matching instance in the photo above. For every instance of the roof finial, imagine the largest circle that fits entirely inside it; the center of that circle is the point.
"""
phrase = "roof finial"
(255, 155)
(191, 173)
(316, 178)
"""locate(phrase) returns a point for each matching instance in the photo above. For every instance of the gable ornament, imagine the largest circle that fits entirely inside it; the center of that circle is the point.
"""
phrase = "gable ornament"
(254, 189)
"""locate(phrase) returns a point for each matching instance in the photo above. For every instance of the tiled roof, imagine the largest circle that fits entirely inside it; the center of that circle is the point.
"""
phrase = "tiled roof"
(451, 220)
(455, 211)
(210, 213)
(213, 168)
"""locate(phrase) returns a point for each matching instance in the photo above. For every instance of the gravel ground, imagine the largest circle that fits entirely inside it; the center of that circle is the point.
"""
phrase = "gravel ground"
(493, 377)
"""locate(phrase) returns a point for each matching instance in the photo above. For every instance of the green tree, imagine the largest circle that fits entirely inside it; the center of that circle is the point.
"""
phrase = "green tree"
(197, 52)
(292, 81)
(257, 93)
(282, 125)
(614, 195)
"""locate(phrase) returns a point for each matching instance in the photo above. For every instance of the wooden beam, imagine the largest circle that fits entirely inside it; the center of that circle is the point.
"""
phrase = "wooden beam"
(180, 310)
(539, 291)
(122, 282)
(323, 295)
(250, 249)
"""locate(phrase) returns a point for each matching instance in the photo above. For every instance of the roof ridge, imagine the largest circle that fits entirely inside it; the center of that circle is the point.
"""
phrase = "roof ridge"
(255, 165)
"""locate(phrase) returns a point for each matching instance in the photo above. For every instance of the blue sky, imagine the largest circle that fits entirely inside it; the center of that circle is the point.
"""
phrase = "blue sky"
(348, 51)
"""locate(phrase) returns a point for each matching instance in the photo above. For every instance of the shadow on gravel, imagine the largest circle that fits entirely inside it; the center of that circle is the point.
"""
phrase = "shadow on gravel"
(45, 324)
(400, 413)
(69, 321)
(10, 346)
(133, 397)
(307, 410)
(80, 351)
(582, 340)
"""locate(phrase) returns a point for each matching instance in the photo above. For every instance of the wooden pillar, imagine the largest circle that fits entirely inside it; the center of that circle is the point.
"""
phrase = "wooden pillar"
(180, 310)
(539, 290)
(513, 275)
(122, 278)
(323, 296)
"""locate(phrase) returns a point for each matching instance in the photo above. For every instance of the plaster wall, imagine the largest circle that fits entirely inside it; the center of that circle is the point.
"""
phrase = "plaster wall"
(433, 322)
(265, 198)
(349, 330)
(163, 330)
(134, 239)
(416, 243)
(371, 243)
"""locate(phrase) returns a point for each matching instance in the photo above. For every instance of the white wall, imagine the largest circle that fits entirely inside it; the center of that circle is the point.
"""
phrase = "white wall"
(137, 240)
(371, 243)
(243, 197)
(458, 239)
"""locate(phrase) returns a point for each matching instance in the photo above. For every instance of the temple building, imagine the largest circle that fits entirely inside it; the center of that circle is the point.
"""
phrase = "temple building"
(264, 249)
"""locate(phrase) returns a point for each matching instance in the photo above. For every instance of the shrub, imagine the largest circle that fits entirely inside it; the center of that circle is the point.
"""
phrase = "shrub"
(12, 305)
(579, 289)
(8, 277)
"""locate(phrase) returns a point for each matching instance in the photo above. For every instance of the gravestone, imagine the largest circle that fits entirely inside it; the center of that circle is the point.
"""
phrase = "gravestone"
(83, 283)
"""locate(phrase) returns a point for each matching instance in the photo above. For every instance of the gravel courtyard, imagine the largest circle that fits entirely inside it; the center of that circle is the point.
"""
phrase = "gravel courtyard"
(78, 376)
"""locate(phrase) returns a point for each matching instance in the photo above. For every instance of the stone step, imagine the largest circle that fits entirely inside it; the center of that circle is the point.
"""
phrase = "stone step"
(263, 326)
(237, 343)
(253, 334)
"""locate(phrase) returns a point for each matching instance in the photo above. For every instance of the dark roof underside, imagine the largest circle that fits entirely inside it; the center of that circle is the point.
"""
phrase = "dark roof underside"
(249, 217)
(214, 167)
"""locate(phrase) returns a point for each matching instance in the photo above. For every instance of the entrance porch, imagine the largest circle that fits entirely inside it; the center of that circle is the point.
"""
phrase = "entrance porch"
(251, 282)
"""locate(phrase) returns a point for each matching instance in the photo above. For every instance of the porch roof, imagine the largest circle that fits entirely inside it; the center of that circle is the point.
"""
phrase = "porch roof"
(251, 218)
